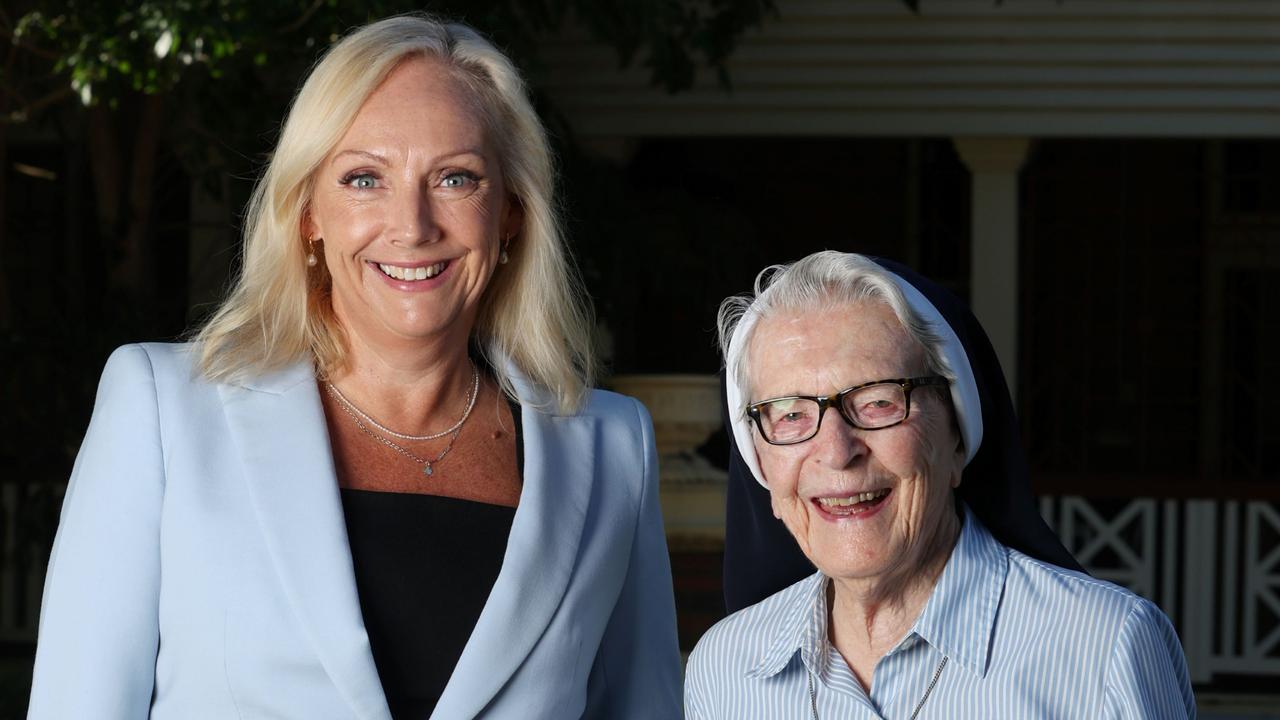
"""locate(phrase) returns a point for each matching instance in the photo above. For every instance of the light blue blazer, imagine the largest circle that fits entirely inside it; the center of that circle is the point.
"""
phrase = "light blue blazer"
(201, 568)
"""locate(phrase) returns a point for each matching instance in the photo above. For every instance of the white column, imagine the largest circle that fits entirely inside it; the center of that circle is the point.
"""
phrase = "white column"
(994, 164)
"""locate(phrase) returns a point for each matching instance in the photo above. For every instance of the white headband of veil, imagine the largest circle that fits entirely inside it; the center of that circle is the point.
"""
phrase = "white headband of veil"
(964, 390)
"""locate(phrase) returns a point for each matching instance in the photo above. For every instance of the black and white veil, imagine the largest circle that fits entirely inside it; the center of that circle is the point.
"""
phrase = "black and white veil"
(762, 558)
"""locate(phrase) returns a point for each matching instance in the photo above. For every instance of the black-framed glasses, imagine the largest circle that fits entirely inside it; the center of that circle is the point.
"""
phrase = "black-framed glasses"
(870, 406)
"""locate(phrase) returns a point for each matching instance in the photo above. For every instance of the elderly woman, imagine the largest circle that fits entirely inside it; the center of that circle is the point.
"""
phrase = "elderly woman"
(855, 402)
(378, 484)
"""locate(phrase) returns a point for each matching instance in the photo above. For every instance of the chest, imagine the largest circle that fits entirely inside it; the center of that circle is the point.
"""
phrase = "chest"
(920, 685)
(259, 613)
(479, 463)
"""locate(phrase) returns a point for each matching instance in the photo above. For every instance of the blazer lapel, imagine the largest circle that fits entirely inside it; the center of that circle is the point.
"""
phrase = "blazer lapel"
(278, 425)
(559, 469)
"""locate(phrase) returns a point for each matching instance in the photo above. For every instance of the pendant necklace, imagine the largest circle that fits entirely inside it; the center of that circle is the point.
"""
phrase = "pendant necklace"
(359, 417)
(351, 408)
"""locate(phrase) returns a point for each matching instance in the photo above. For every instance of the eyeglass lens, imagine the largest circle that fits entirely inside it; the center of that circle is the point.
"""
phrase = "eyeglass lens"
(790, 420)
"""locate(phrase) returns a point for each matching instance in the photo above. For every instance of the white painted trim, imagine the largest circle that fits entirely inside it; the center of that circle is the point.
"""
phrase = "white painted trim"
(993, 287)
(1037, 68)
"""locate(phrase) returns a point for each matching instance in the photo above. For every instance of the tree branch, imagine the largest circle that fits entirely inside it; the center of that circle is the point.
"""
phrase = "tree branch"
(17, 42)
(302, 20)
(24, 113)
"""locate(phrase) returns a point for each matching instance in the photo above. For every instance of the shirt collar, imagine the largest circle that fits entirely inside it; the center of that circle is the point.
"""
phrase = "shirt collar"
(801, 628)
(958, 618)
(960, 615)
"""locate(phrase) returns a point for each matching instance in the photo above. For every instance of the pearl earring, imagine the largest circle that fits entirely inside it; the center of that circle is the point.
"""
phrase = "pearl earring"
(503, 257)
(311, 256)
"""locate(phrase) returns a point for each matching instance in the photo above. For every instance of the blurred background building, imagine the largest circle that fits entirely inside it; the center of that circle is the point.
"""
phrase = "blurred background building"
(1099, 178)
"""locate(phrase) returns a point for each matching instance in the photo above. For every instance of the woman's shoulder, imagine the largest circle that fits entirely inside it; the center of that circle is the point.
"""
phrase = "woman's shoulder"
(597, 404)
(609, 405)
(618, 414)
(150, 360)
(1108, 607)
(177, 367)
(614, 429)
(1095, 623)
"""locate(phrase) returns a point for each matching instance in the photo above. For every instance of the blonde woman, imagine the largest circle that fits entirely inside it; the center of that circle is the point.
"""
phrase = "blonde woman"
(377, 485)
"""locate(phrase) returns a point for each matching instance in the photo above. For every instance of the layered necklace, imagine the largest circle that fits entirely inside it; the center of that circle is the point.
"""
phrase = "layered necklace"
(363, 420)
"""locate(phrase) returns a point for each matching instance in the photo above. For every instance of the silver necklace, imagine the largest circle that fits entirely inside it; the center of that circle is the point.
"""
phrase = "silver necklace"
(471, 403)
(813, 691)
(427, 464)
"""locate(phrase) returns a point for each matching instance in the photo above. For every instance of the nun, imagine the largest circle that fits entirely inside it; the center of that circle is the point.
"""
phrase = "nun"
(938, 590)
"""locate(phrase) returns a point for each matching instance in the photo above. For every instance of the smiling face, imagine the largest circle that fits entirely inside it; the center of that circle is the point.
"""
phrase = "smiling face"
(412, 210)
(862, 504)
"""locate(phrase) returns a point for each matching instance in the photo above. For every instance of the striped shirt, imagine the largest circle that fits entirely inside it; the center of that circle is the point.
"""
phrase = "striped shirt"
(1021, 638)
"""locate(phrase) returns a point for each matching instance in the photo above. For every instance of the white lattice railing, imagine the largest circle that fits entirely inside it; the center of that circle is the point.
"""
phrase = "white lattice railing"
(1212, 565)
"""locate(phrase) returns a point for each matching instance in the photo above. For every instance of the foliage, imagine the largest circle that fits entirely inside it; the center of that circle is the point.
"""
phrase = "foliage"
(105, 52)
(221, 72)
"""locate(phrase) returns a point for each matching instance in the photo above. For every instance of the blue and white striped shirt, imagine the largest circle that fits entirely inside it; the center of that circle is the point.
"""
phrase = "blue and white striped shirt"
(1022, 638)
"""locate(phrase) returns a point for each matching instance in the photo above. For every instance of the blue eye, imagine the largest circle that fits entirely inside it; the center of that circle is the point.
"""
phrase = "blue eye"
(361, 181)
(456, 180)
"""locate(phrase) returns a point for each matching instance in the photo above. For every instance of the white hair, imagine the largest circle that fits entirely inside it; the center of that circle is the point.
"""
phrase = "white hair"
(821, 280)
(534, 312)
(827, 279)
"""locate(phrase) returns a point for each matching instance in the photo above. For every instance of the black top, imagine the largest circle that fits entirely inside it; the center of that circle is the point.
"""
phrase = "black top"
(424, 567)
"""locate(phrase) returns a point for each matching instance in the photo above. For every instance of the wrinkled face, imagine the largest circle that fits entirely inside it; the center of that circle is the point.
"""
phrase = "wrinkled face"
(861, 503)
(412, 210)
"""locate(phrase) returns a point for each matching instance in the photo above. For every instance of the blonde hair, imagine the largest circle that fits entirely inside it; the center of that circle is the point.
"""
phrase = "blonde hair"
(534, 312)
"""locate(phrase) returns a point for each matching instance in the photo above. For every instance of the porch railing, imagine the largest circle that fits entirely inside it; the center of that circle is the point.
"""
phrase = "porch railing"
(1212, 565)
